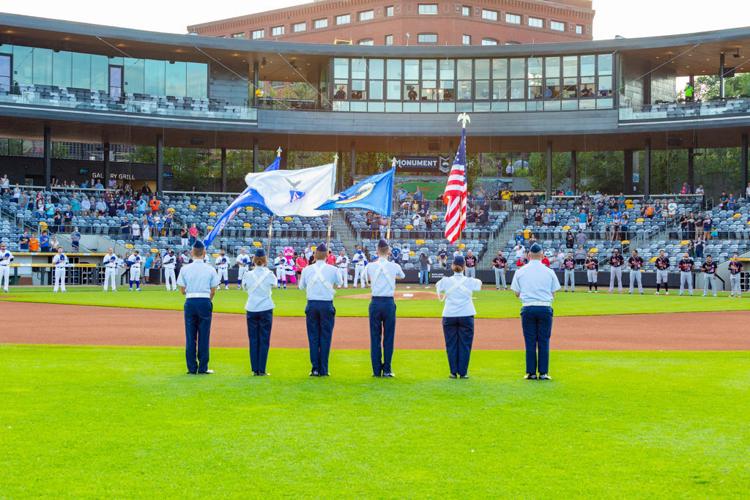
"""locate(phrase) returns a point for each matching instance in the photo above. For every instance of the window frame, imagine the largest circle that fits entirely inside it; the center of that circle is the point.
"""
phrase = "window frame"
(561, 24)
(302, 24)
(262, 33)
(511, 17)
(369, 12)
(343, 19)
(275, 28)
(490, 15)
(320, 23)
(421, 5)
(531, 19)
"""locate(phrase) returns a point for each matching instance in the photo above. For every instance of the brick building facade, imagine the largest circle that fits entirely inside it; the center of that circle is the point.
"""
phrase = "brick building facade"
(414, 22)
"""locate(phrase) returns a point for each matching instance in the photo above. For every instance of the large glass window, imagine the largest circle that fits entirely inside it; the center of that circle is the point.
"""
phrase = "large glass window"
(359, 69)
(512, 18)
(605, 64)
(320, 23)
(258, 34)
(99, 73)
(367, 15)
(83, 76)
(489, 15)
(277, 31)
(176, 76)
(134, 70)
(556, 26)
(570, 66)
(299, 27)
(427, 38)
(155, 77)
(5, 73)
(23, 65)
(588, 65)
(61, 68)
(344, 19)
(341, 68)
(535, 22)
(197, 80)
(42, 66)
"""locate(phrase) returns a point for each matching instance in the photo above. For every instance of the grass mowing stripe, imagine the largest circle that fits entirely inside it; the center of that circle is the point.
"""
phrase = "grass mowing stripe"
(291, 302)
(94, 422)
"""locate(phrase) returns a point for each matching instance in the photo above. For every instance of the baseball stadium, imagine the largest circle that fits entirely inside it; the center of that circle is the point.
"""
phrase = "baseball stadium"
(402, 180)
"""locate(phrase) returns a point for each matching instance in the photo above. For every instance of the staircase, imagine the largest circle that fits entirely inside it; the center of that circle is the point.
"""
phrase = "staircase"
(498, 242)
(342, 231)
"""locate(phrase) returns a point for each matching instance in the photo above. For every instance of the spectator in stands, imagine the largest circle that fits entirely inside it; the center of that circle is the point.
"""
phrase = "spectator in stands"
(184, 236)
(4, 184)
(147, 266)
(85, 206)
(100, 206)
(418, 195)
(580, 255)
(34, 245)
(16, 194)
(707, 223)
(53, 243)
(685, 189)
(699, 246)
(581, 238)
(146, 229)
(135, 230)
(582, 220)
(154, 204)
(141, 206)
(425, 261)
(56, 222)
(699, 190)
(193, 234)
(747, 191)
(99, 186)
(112, 183)
(23, 241)
(569, 240)
(75, 239)
(124, 227)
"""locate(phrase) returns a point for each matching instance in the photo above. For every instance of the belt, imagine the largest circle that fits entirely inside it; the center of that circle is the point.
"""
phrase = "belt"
(382, 297)
(538, 304)
(197, 295)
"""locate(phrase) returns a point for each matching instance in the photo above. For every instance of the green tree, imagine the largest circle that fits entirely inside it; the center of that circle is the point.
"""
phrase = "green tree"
(708, 86)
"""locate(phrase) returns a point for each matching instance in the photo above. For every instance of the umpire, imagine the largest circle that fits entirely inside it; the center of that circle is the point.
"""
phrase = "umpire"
(383, 275)
(198, 282)
(535, 284)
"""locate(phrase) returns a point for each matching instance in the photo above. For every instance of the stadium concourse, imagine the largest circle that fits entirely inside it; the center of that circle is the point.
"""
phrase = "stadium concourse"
(39, 219)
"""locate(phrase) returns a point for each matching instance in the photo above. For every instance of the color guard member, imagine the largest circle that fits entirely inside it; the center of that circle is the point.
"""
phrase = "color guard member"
(319, 280)
(383, 275)
(535, 284)
(258, 284)
(458, 316)
(198, 282)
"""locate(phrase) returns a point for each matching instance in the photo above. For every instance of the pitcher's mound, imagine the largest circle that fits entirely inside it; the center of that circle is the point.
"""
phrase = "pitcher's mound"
(400, 295)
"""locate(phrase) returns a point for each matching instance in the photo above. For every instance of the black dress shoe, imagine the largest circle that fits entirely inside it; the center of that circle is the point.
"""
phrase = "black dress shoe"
(207, 372)
(314, 373)
(389, 375)
(530, 376)
(263, 374)
(464, 376)
(192, 373)
(453, 375)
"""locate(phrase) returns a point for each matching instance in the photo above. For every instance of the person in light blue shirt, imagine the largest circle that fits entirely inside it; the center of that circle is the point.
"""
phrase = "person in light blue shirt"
(458, 316)
(383, 275)
(258, 284)
(535, 284)
(198, 282)
(319, 280)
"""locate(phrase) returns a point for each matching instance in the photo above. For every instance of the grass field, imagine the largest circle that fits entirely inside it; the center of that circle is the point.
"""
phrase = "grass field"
(291, 302)
(126, 422)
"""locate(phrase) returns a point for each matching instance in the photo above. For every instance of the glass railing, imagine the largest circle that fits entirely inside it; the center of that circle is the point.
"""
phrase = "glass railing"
(155, 106)
(686, 110)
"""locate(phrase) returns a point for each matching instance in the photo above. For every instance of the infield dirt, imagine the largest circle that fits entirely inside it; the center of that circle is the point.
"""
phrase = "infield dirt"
(84, 325)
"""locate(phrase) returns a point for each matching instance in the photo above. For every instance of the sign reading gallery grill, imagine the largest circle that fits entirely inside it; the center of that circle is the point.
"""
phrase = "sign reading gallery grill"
(423, 164)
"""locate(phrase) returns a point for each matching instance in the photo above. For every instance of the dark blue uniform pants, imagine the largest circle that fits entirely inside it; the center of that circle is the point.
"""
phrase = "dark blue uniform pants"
(259, 335)
(537, 330)
(382, 332)
(197, 331)
(320, 316)
(459, 335)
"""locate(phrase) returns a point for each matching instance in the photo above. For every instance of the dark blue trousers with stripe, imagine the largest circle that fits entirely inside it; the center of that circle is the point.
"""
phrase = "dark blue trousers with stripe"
(197, 332)
(382, 333)
(320, 316)
(459, 335)
(259, 335)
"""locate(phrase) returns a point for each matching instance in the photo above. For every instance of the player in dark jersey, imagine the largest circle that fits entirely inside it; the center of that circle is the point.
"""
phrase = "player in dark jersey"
(709, 275)
(569, 272)
(662, 272)
(686, 266)
(616, 262)
(592, 269)
(735, 271)
(635, 262)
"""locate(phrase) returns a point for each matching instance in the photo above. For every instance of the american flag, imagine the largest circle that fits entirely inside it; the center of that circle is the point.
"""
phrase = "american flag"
(455, 194)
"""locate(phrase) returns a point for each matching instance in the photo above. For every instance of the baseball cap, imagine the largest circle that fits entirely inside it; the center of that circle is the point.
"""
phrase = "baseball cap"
(198, 245)
(321, 248)
(535, 248)
(459, 260)
(260, 253)
(382, 244)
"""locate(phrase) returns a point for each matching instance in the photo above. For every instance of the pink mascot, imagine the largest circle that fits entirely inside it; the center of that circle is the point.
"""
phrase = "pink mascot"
(291, 271)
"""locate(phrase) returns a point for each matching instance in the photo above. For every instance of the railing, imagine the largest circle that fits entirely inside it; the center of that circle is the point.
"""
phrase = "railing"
(686, 111)
(136, 107)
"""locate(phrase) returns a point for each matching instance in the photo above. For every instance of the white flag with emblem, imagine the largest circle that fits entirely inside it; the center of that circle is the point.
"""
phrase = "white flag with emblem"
(293, 192)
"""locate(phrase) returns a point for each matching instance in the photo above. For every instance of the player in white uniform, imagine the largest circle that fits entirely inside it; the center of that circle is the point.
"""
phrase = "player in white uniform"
(169, 262)
(243, 264)
(280, 267)
(134, 262)
(60, 261)
(110, 270)
(5, 259)
(342, 263)
(222, 269)
(360, 261)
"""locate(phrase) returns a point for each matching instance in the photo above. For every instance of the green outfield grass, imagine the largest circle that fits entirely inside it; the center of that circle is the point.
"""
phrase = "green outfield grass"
(126, 422)
(291, 302)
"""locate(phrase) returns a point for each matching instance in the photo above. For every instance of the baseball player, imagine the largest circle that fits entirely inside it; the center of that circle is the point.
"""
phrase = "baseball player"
(360, 261)
(60, 261)
(169, 262)
(686, 273)
(616, 262)
(243, 264)
(110, 270)
(5, 259)
(592, 271)
(709, 275)
(569, 272)
(222, 268)
(635, 262)
(279, 264)
(499, 265)
(134, 263)
(735, 271)
(342, 264)
(662, 272)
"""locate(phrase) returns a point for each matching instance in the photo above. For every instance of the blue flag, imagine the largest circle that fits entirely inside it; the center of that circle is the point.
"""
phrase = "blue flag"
(374, 193)
(248, 198)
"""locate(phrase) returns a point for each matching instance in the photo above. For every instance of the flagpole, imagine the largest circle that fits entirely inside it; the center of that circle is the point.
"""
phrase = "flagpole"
(330, 213)
(270, 220)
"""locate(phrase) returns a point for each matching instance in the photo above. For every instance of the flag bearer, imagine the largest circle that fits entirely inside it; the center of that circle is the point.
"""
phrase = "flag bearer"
(198, 282)
(319, 280)
(258, 284)
(535, 284)
(383, 275)
(169, 262)
(458, 316)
